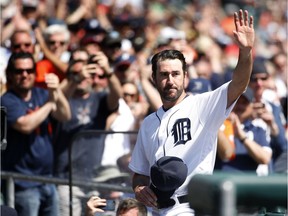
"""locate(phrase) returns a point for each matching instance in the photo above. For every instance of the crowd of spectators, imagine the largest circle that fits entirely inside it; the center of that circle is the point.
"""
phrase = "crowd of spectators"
(101, 51)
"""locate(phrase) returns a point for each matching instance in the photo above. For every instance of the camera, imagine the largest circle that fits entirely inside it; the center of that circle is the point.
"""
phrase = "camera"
(110, 205)
(90, 60)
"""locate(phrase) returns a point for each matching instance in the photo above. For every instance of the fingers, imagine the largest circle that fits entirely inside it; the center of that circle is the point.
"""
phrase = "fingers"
(241, 18)
(246, 18)
(251, 22)
(146, 196)
(236, 20)
(100, 57)
(52, 80)
(95, 203)
(102, 60)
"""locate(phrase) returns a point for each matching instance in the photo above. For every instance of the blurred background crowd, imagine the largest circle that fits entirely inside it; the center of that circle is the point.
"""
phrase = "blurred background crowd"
(131, 29)
(119, 37)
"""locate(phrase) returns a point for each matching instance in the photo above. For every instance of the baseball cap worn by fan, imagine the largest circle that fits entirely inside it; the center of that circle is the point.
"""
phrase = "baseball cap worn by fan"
(92, 26)
(167, 174)
(169, 33)
(199, 85)
(112, 39)
(90, 39)
(259, 67)
(124, 61)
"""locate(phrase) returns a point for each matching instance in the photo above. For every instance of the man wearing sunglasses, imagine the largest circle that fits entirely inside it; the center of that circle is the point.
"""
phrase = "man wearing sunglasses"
(271, 113)
(21, 41)
(54, 42)
(30, 113)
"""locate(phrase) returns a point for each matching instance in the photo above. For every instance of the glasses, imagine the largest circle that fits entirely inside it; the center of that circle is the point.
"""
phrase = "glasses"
(19, 71)
(17, 46)
(255, 79)
(53, 42)
(93, 75)
(128, 94)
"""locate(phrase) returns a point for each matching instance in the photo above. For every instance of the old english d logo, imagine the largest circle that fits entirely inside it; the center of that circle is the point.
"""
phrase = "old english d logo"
(181, 131)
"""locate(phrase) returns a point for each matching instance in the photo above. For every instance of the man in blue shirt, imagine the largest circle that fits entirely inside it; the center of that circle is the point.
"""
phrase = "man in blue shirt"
(30, 112)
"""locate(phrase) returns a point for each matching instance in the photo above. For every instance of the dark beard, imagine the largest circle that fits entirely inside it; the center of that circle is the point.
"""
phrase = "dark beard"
(80, 92)
(22, 90)
(171, 99)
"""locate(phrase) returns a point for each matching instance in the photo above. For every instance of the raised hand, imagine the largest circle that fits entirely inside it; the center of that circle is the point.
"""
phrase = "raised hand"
(52, 82)
(94, 205)
(244, 33)
(102, 61)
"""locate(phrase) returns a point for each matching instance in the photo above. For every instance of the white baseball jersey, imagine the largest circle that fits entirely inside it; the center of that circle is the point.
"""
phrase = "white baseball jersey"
(188, 131)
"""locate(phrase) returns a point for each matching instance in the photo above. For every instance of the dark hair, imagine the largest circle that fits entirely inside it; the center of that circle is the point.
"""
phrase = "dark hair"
(69, 74)
(79, 49)
(11, 63)
(131, 203)
(164, 55)
(15, 56)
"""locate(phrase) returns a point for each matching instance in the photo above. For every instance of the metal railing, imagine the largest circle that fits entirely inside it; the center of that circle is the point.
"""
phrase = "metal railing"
(12, 176)
(75, 137)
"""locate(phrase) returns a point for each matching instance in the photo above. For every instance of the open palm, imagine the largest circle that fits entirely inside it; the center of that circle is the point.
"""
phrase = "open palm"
(244, 34)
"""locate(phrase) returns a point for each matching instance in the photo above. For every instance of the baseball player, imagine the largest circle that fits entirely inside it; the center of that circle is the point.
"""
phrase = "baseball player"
(179, 139)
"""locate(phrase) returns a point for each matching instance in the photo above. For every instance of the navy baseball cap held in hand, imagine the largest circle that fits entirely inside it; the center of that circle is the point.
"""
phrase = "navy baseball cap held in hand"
(167, 174)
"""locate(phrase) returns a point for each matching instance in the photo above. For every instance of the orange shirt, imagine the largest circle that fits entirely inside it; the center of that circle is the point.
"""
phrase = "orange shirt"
(227, 129)
(44, 67)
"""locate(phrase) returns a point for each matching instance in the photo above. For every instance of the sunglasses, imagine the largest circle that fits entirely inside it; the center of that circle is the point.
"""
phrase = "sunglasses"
(255, 79)
(20, 71)
(93, 75)
(17, 46)
(52, 42)
(128, 94)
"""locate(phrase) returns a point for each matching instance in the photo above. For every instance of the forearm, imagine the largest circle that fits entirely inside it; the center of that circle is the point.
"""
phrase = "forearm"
(242, 72)
(7, 31)
(26, 124)
(60, 7)
(62, 112)
(241, 75)
(225, 148)
(77, 15)
(152, 94)
(115, 91)
(257, 152)
(140, 180)
(68, 87)
(274, 129)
